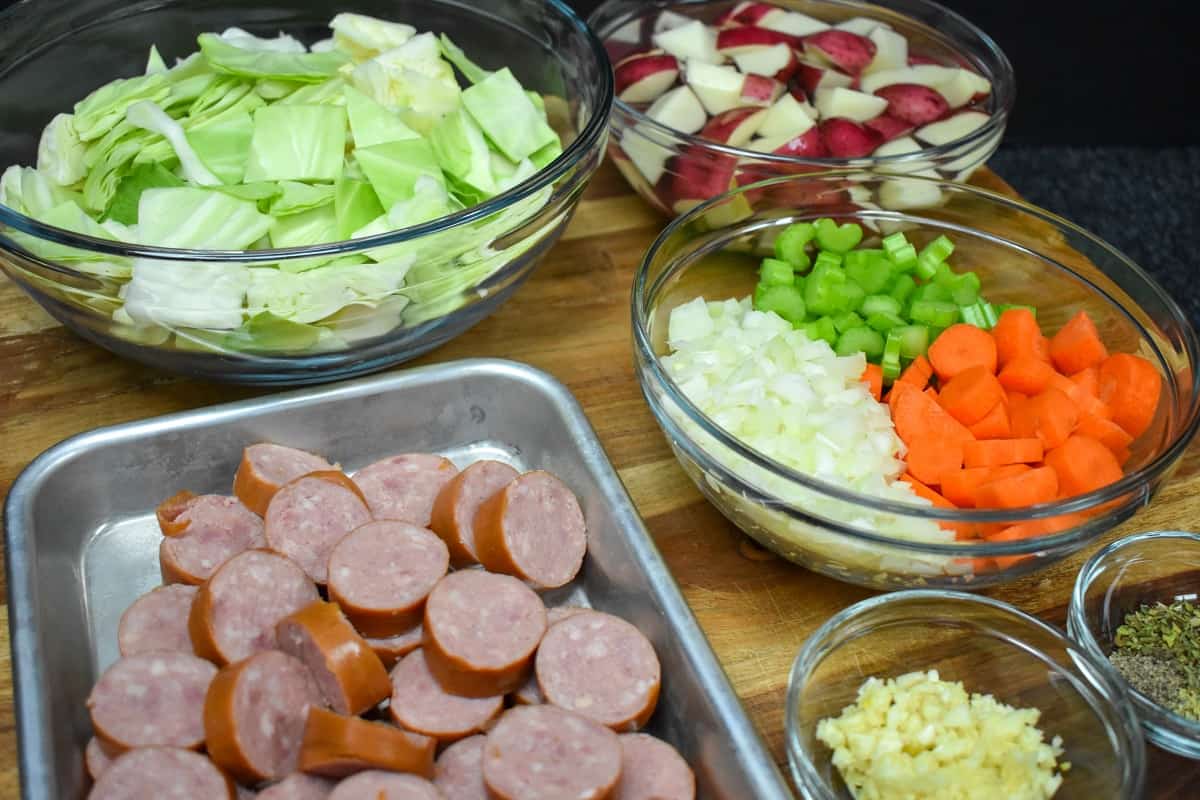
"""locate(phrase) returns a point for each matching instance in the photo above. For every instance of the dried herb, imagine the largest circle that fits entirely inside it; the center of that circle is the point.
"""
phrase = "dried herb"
(1158, 653)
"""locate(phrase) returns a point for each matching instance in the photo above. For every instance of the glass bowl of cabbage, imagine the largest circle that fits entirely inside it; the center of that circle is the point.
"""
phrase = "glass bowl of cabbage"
(772, 420)
(286, 193)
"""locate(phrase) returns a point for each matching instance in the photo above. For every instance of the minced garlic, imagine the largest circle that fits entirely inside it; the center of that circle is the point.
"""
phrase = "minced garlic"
(917, 737)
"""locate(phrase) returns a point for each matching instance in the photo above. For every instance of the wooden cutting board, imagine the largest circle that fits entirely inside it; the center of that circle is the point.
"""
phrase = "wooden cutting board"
(571, 319)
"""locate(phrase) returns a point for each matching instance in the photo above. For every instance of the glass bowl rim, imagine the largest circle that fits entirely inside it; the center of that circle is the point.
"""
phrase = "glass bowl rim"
(1093, 673)
(1004, 88)
(575, 152)
(1130, 484)
(1079, 629)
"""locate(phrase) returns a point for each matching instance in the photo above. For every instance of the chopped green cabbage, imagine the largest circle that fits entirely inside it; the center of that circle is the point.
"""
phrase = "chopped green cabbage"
(394, 167)
(362, 37)
(191, 218)
(233, 59)
(371, 123)
(509, 118)
(297, 143)
(60, 154)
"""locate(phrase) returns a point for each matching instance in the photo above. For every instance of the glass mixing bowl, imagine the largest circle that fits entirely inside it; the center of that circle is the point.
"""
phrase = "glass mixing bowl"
(1023, 255)
(54, 52)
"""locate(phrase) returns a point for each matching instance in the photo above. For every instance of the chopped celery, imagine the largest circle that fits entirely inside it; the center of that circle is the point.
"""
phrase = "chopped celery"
(870, 269)
(785, 300)
(934, 312)
(981, 314)
(774, 272)
(884, 321)
(826, 258)
(914, 340)
(891, 356)
(820, 290)
(881, 304)
(966, 289)
(835, 238)
(846, 321)
(860, 340)
(822, 328)
(902, 288)
(791, 243)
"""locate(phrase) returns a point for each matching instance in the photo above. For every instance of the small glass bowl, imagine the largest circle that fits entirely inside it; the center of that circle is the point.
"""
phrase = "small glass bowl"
(992, 648)
(1143, 568)
(693, 163)
(464, 266)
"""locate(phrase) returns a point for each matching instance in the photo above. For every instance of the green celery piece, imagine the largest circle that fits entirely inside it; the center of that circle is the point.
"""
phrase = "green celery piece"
(546, 154)
(821, 290)
(838, 238)
(846, 321)
(506, 114)
(785, 300)
(223, 144)
(301, 67)
(822, 328)
(124, 205)
(791, 243)
(455, 55)
(328, 93)
(296, 198)
(870, 269)
(885, 321)
(914, 340)
(371, 123)
(462, 152)
(355, 204)
(97, 113)
(394, 167)
(774, 272)
(195, 218)
(297, 143)
(860, 340)
(902, 288)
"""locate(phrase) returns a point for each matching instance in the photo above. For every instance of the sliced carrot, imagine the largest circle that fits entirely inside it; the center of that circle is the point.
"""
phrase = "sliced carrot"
(930, 458)
(1026, 374)
(917, 373)
(998, 452)
(971, 395)
(1084, 401)
(1014, 533)
(1130, 386)
(1077, 345)
(963, 530)
(1088, 380)
(959, 486)
(931, 393)
(995, 425)
(961, 347)
(1083, 464)
(895, 393)
(873, 377)
(1015, 397)
(917, 416)
(1105, 431)
(981, 564)
(1122, 455)
(1018, 491)
(1041, 348)
(1051, 416)
(1037, 527)
(1016, 333)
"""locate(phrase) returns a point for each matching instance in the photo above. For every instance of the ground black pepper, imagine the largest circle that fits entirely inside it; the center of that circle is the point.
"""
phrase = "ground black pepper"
(1158, 652)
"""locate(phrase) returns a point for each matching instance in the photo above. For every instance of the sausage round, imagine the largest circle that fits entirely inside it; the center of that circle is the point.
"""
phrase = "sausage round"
(298, 786)
(218, 528)
(351, 677)
(151, 699)
(530, 694)
(95, 759)
(336, 746)
(533, 528)
(162, 773)
(381, 573)
(481, 631)
(266, 467)
(254, 715)
(405, 486)
(308, 516)
(236, 610)
(394, 648)
(158, 620)
(420, 704)
(458, 773)
(547, 753)
(651, 769)
(602, 667)
(168, 512)
(453, 516)
(378, 785)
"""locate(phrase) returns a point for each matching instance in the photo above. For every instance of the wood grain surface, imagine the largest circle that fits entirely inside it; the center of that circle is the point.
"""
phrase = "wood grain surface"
(572, 320)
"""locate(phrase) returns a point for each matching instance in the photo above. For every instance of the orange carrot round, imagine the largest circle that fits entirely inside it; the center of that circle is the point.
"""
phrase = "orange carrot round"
(1017, 491)
(1083, 465)
(873, 377)
(959, 487)
(1130, 386)
(1016, 333)
(1026, 374)
(995, 425)
(1105, 431)
(971, 395)
(918, 417)
(1077, 345)
(998, 452)
(1051, 416)
(930, 458)
(961, 347)
(917, 373)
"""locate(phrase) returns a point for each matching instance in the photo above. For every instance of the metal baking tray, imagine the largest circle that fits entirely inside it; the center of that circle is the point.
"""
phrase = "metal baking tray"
(83, 543)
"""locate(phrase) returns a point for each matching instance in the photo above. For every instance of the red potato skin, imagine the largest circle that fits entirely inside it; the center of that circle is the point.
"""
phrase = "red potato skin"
(633, 69)
(847, 139)
(889, 127)
(748, 35)
(698, 174)
(914, 104)
(847, 51)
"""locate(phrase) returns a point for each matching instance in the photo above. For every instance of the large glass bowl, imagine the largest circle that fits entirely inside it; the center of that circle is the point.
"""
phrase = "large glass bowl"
(992, 648)
(626, 26)
(1146, 568)
(54, 52)
(1023, 255)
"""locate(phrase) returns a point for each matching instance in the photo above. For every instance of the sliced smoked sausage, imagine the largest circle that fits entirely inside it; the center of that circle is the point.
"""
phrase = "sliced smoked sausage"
(481, 631)
(394, 648)
(151, 699)
(533, 528)
(236, 610)
(458, 773)
(529, 694)
(651, 769)
(602, 667)
(381, 573)
(298, 786)
(351, 677)
(405, 486)
(548, 753)
(266, 467)
(168, 512)
(336, 746)
(379, 785)
(219, 528)
(254, 715)
(308, 516)
(158, 620)
(95, 758)
(453, 516)
(162, 773)
(420, 704)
